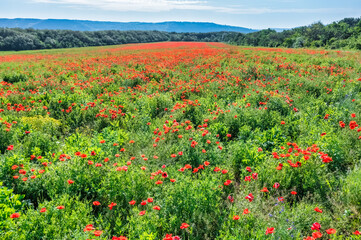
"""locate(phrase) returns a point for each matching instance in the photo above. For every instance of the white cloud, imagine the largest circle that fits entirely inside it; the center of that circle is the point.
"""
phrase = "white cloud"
(168, 5)
(135, 5)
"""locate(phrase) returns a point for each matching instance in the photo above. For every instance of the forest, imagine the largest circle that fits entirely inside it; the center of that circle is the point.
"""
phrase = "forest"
(344, 34)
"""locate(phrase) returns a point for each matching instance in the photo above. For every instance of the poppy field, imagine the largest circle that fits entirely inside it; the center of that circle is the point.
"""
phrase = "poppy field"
(180, 140)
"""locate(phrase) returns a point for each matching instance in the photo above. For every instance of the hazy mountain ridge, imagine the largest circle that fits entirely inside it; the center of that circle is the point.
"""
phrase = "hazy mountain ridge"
(85, 25)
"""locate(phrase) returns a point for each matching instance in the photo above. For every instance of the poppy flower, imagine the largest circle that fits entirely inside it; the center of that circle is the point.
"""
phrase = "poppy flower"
(97, 233)
(316, 226)
(245, 211)
(276, 185)
(184, 226)
(270, 230)
(357, 232)
(264, 189)
(11, 147)
(236, 217)
(132, 202)
(111, 205)
(158, 182)
(141, 213)
(60, 207)
(15, 215)
(143, 203)
(293, 193)
(318, 210)
(88, 227)
(249, 197)
(156, 208)
(96, 203)
(70, 181)
(227, 182)
(316, 235)
(331, 231)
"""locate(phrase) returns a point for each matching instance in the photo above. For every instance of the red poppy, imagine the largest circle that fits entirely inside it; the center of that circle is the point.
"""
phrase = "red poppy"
(318, 210)
(245, 211)
(111, 205)
(88, 227)
(97, 233)
(316, 226)
(15, 215)
(316, 235)
(184, 226)
(331, 231)
(270, 230)
(249, 197)
(236, 217)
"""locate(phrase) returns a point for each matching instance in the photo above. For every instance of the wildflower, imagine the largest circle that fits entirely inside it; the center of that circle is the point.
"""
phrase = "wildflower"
(316, 235)
(270, 230)
(318, 210)
(15, 215)
(316, 226)
(249, 197)
(184, 226)
(245, 211)
(111, 205)
(97, 233)
(331, 231)
(88, 227)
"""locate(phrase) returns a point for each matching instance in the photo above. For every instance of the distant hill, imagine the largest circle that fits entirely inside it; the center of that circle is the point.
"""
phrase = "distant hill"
(82, 25)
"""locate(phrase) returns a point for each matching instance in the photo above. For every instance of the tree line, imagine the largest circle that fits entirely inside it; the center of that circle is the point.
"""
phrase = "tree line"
(344, 34)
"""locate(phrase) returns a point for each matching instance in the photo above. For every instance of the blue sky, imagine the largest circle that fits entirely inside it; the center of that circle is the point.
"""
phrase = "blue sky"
(255, 14)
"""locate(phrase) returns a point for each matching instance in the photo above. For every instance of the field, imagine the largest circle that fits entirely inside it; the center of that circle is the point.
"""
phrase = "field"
(180, 140)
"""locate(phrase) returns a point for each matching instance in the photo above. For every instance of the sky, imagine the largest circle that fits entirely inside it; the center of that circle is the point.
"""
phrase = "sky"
(256, 14)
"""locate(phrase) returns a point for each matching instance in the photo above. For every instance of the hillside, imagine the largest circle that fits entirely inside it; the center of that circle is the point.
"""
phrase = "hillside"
(82, 25)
